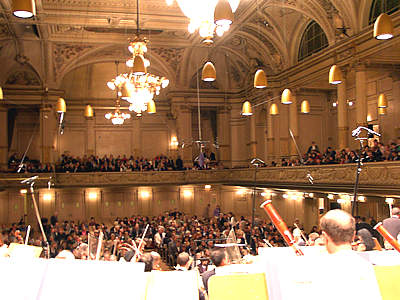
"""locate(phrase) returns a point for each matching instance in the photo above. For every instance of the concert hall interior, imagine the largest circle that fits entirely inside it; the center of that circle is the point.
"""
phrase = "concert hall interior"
(239, 132)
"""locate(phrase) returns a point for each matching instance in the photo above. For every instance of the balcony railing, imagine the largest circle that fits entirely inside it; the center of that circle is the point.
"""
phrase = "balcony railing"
(379, 175)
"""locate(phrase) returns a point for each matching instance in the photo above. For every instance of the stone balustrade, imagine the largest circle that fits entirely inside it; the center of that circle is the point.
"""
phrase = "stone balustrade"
(380, 175)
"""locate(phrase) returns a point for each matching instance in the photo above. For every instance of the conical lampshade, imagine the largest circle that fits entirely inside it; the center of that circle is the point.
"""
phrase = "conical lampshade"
(382, 101)
(88, 111)
(335, 75)
(151, 107)
(305, 107)
(383, 27)
(208, 73)
(286, 97)
(61, 106)
(223, 14)
(382, 111)
(246, 109)
(260, 79)
(273, 110)
(138, 66)
(23, 8)
(125, 94)
(1, 94)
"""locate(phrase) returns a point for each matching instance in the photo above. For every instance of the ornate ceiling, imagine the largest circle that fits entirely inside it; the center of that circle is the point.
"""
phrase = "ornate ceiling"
(68, 35)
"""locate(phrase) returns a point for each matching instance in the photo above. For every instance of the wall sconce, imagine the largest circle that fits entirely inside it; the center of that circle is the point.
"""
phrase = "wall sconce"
(23, 191)
(362, 198)
(187, 193)
(207, 187)
(174, 142)
(144, 194)
(240, 192)
(331, 196)
(92, 196)
(47, 197)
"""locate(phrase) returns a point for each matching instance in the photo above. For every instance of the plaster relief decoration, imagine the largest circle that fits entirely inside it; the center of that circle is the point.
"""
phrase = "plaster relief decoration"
(4, 30)
(173, 56)
(23, 77)
(63, 54)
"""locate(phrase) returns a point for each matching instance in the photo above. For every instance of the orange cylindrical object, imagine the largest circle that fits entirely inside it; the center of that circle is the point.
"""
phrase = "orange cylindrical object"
(280, 225)
(388, 237)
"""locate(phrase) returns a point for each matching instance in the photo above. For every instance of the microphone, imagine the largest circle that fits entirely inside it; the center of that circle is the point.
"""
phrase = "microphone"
(357, 131)
(30, 179)
(257, 161)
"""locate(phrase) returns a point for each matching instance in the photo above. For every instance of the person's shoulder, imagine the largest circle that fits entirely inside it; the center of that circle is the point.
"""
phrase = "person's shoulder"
(208, 274)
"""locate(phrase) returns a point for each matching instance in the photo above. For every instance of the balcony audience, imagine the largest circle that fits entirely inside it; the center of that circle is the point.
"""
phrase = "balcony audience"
(375, 152)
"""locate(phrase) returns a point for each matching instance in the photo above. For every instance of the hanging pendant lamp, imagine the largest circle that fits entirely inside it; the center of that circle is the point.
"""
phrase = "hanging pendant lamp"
(383, 27)
(151, 107)
(208, 73)
(260, 79)
(286, 97)
(246, 109)
(139, 67)
(24, 8)
(61, 107)
(382, 111)
(305, 107)
(335, 75)
(223, 15)
(88, 111)
(382, 101)
(1, 94)
(273, 110)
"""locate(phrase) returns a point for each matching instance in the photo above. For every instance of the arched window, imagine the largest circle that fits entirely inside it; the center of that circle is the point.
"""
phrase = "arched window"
(312, 41)
(380, 6)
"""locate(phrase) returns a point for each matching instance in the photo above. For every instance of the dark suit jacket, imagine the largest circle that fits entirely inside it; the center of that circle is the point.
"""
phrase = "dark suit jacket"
(205, 276)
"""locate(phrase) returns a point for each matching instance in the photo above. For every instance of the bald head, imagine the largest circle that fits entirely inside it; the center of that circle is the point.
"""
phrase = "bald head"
(339, 226)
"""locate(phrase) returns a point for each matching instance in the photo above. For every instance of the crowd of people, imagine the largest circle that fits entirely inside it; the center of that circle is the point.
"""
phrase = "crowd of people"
(374, 153)
(204, 161)
(169, 234)
(110, 163)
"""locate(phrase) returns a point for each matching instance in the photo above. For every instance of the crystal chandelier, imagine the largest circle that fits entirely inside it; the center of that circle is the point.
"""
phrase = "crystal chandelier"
(138, 87)
(117, 117)
(203, 16)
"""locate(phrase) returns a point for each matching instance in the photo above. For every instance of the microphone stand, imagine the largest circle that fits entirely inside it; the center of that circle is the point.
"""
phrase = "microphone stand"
(356, 133)
(31, 182)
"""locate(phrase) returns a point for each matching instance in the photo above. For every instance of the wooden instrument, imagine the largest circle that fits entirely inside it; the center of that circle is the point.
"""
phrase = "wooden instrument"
(281, 226)
(388, 237)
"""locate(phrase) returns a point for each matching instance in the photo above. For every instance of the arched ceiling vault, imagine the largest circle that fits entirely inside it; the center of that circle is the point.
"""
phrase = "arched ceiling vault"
(68, 34)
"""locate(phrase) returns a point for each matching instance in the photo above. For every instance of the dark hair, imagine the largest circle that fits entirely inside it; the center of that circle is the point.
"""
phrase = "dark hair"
(182, 259)
(217, 256)
(366, 238)
(339, 226)
(148, 261)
